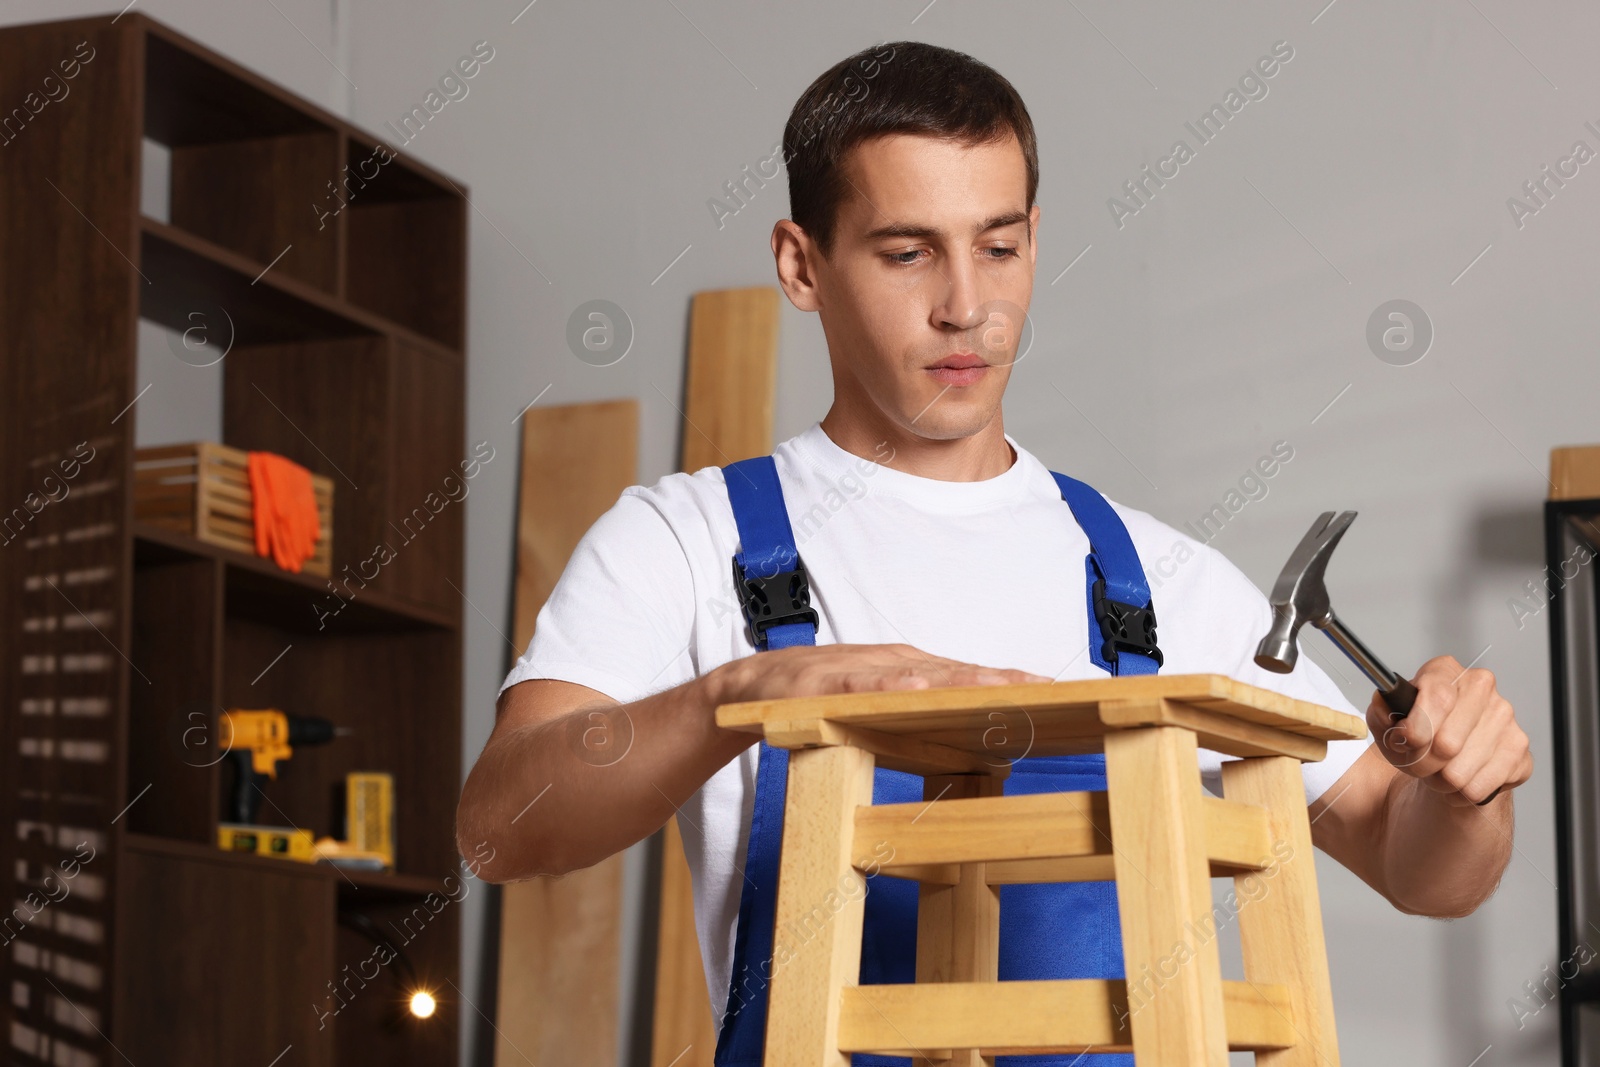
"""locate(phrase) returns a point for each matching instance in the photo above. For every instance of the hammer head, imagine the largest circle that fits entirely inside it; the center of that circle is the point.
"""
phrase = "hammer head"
(1301, 595)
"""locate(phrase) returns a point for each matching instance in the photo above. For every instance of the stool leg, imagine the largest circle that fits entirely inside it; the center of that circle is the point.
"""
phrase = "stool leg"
(817, 943)
(1164, 897)
(958, 926)
(1280, 930)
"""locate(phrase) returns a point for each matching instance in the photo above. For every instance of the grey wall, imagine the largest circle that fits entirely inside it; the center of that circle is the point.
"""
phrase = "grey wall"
(1228, 314)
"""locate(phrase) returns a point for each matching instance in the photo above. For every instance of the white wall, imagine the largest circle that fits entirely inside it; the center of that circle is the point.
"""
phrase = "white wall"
(1225, 316)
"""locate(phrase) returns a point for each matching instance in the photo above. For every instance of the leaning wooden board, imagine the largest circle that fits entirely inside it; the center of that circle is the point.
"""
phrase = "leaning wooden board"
(559, 937)
(729, 396)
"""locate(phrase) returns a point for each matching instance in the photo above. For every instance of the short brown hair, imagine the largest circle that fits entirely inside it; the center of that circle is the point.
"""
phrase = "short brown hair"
(901, 87)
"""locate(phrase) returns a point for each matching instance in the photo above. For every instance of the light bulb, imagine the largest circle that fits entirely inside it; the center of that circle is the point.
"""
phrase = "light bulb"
(422, 1004)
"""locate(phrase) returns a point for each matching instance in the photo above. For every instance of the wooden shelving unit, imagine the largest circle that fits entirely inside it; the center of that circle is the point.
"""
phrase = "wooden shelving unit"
(342, 278)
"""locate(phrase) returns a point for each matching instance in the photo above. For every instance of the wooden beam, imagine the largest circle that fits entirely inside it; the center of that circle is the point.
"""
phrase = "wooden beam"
(576, 460)
(1045, 834)
(958, 925)
(1056, 718)
(1280, 933)
(1073, 1015)
(896, 752)
(821, 904)
(1164, 897)
(560, 938)
(731, 381)
(729, 391)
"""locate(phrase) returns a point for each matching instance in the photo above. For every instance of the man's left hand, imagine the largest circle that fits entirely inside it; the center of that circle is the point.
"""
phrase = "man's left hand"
(1461, 740)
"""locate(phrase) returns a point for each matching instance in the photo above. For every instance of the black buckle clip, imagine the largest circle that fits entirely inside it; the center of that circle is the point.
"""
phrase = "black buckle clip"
(1124, 627)
(773, 600)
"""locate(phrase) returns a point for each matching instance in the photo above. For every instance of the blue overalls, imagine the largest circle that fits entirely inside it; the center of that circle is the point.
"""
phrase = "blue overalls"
(1050, 930)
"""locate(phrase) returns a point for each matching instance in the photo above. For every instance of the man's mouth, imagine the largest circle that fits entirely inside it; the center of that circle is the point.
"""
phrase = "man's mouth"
(963, 368)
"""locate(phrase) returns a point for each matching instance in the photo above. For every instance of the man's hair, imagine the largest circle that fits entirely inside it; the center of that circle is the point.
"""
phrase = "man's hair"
(901, 87)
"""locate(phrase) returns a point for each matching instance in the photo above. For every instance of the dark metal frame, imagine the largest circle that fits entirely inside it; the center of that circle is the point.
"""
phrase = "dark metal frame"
(1575, 750)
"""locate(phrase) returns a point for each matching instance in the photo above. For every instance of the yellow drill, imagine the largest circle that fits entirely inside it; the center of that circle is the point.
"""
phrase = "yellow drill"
(256, 741)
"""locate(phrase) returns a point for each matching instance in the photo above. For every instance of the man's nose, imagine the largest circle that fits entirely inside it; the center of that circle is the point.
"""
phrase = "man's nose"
(958, 304)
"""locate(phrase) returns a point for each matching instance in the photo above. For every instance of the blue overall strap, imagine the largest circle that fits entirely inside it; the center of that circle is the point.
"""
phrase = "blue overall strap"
(767, 562)
(774, 590)
(1115, 588)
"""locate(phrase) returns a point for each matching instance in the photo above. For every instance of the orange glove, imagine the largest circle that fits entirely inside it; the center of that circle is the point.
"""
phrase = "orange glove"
(285, 509)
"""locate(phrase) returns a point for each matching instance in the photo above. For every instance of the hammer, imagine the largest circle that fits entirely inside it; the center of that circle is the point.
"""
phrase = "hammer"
(1301, 596)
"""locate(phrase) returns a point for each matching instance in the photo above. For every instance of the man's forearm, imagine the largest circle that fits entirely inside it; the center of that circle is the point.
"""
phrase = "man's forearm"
(560, 795)
(1438, 859)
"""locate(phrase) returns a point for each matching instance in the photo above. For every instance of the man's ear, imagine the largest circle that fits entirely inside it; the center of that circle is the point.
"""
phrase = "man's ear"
(1033, 235)
(796, 256)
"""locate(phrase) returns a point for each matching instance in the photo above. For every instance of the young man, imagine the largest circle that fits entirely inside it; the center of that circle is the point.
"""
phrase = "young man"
(940, 552)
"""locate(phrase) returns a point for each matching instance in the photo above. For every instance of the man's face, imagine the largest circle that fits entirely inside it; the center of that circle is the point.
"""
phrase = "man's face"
(933, 258)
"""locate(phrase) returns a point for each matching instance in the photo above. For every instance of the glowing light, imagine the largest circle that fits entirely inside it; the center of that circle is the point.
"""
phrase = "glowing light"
(422, 1004)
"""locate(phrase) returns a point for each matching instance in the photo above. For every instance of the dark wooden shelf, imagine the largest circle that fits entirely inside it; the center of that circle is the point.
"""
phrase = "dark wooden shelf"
(287, 598)
(348, 357)
(389, 883)
(191, 274)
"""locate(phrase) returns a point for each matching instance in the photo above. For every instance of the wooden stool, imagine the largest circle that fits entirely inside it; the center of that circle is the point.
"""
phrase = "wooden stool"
(1153, 830)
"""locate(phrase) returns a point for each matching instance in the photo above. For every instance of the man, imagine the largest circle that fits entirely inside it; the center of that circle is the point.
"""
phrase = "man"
(940, 552)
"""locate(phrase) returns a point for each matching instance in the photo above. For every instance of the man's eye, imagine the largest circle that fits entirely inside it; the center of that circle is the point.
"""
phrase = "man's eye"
(898, 257)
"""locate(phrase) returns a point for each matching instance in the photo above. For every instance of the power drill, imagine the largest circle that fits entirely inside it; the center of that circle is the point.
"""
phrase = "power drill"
(255, 741)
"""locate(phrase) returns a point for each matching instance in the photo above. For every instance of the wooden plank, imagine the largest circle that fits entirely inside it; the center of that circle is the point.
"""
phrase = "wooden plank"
(1281, 931)
(1164, 897)
(958, 925)
(560, 938)
(1216, 731)
(821, 901)
(732, 375)
(958, 708)
(729, 390)
(682, 1032)
(1072, 1015)
(576, 460)
(898, 752)
(1024, 833)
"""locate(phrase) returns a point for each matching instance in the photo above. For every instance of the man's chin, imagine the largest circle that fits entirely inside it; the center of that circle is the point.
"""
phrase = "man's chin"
(947, 420)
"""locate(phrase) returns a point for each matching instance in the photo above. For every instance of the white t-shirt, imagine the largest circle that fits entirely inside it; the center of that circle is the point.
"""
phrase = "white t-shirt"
(988, 572)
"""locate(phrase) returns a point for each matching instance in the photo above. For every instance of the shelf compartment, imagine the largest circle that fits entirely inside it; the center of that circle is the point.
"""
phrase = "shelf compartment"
(391, 426)
(265, 198)
(190, 276)
(405, 255)
(271, 392)
(357, 681)
(195, 99)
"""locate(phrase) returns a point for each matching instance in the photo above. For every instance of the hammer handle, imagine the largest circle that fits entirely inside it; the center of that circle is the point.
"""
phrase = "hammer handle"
(1400, 699)
(1398, 693)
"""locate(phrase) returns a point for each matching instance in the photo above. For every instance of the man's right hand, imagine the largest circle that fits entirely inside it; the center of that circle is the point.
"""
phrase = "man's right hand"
(818, 670)
(596, 802)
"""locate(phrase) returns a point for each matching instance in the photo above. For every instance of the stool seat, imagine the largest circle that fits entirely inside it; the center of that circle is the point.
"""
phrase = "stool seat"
(1153, 830)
